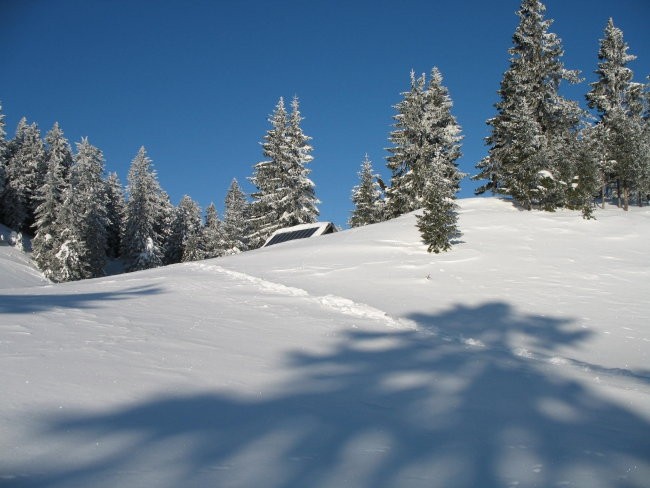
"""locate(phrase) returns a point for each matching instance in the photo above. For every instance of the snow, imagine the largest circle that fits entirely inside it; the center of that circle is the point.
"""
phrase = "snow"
(519, 358)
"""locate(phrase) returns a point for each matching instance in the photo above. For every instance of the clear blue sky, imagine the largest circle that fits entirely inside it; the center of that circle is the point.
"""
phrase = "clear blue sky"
(194, 80)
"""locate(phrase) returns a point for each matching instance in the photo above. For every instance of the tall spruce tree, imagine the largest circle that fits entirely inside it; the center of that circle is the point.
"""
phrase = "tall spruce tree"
(3, 159)
(185, 226)
(50, 196)
(300, 204)
(284, 193)
(438, 224)
(529, 154)
(146, 216)
(213, 238)
(367, 197)
(235, 226)
(81, 245)
(404, 161)
(26, 169)
(116, 212)
(426, 135)
(620, 105)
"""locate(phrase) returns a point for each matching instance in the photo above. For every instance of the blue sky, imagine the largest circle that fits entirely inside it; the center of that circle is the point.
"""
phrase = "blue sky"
(195, 80)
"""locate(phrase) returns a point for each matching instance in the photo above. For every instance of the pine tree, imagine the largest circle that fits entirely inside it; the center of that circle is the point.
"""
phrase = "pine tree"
(235, 222)
(50, 196)
(300, 205)
(367, 197)
(80, 248)
(619, 102)
(3, 159)
(427, 136)
(116, 212)
(147, 215)
(213, 238)
(26, 171)
(285, 195)
(529, 157)
(402, 195)
(267, 178)
(186, 224)
(90, 199)
(438, 223)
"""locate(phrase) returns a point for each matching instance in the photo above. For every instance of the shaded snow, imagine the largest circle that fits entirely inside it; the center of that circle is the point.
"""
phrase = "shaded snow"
(520, 358)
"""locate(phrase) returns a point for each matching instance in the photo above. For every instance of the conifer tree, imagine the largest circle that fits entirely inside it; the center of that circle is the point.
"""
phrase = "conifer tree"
(25, 174)
(213, 238)
(619, 102)
(367, 197)
(301, 202)
(402, 195)
(3, 159)
(267, 178)
(284, 193)
(426, 138)
(90, 200)
(147, 216)
(50, 196)
(81, 244)
(115, 211)
(438, 224)
(529, 154)
(235, 222)
(187, 223)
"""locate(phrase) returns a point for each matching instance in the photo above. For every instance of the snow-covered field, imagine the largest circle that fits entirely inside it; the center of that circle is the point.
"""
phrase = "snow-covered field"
(521, 358)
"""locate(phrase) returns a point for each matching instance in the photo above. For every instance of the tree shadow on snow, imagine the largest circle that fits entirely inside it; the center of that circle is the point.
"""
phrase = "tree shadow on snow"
(450, 405)
(38, 302)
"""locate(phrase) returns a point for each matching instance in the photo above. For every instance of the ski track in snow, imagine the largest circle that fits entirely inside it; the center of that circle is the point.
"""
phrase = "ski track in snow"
(335, 303)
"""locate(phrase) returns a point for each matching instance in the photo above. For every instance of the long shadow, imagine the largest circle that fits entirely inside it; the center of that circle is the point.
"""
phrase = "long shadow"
(456, 407)
(38, 302)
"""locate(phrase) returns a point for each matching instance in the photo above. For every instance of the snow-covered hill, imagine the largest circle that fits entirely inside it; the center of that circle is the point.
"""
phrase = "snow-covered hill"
(520, 358)
(16, 267)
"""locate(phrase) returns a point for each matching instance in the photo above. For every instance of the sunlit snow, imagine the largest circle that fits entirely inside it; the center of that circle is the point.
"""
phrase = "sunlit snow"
(520, 358)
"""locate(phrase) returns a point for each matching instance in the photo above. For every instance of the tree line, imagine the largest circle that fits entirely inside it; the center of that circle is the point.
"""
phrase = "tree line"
(544, 152)
(81, 218)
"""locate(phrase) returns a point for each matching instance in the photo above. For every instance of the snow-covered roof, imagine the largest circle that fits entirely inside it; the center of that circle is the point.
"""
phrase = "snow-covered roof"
(301, 231)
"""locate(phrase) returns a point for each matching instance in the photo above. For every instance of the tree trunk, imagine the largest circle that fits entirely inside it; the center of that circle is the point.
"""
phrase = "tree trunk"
(618, 193)
(602, 195)
(626, 197)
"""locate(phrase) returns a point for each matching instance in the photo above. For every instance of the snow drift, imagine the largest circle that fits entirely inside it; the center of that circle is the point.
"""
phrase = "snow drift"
(520, 358)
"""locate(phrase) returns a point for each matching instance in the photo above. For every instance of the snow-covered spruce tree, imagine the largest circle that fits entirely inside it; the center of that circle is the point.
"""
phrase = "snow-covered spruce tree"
(212, 234)
(116, 212)
(438, 223)
(427, 136)
(81, 245)
(530, 89)
(301, 204)
(284, 194)
(3, 159)
(235, 226)
(50, 196)
(26, 169)
(619, 102)
(589, 168)
(69, 263)
(266, 179)
(367, 197)
(186, 223)
(89, 187)
(401, 196)
(146, 210)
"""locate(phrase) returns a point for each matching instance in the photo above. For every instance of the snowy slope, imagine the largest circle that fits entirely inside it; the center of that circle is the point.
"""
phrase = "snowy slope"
(16, 267)
(521, 358)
